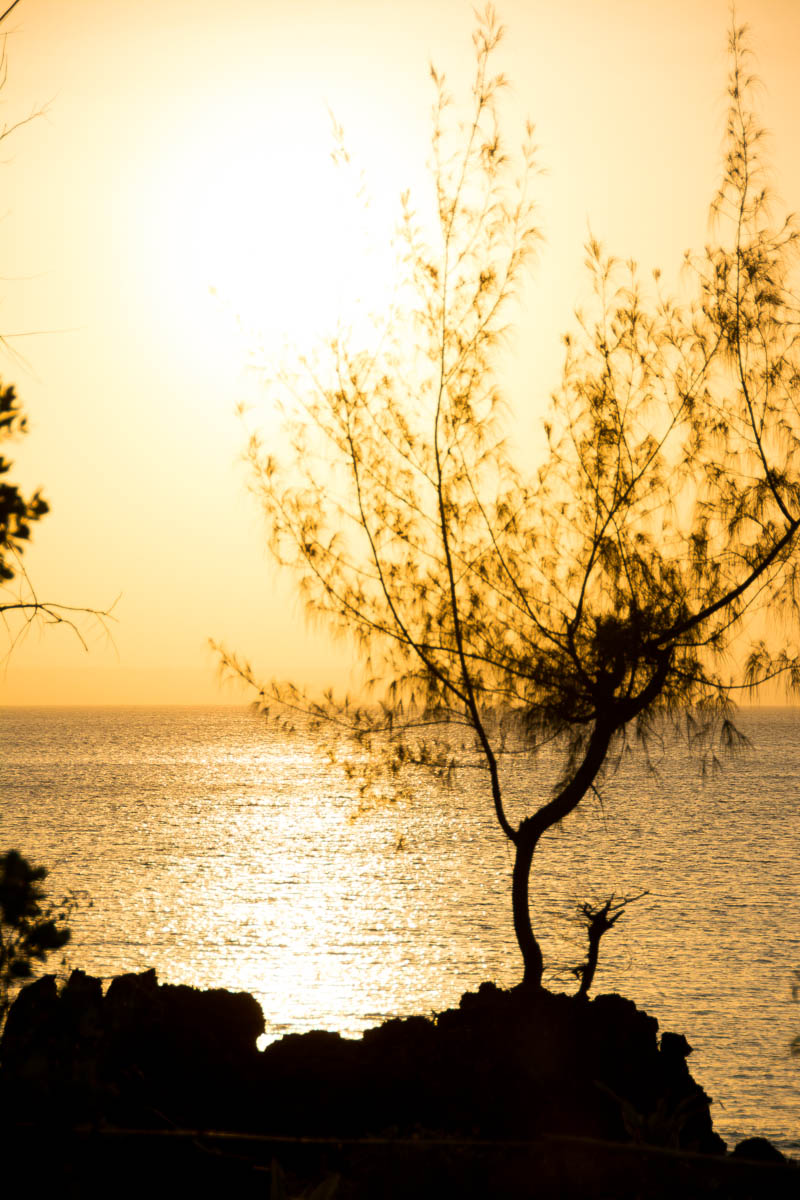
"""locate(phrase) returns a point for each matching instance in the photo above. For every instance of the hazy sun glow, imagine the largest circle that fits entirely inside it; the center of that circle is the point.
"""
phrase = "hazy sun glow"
(276, 231)
(177, 220)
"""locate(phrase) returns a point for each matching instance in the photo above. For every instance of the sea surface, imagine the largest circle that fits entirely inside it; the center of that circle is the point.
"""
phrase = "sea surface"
(228, 854)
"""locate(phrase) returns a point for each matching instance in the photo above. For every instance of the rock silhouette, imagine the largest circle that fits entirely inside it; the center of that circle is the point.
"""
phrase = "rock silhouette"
(505, 1067)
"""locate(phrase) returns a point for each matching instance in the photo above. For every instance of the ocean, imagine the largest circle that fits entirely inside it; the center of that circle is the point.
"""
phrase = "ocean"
(225, 853)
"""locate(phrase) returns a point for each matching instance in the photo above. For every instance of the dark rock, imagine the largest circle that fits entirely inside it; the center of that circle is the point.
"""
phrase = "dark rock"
(312, 1082)
(487, 995)
(179, 1020)
(126, 1055)
(132, 991)
(759, 1149)
(675, 1047)
(131, 1006)
(80, 1009)
(307, 1051)
(214, 1023)
(29, 1025)
(504, 1064)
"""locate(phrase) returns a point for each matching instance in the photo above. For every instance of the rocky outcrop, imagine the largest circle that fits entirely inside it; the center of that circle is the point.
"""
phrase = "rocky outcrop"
(501, 1065)
(128, 1055)
(531, 1095)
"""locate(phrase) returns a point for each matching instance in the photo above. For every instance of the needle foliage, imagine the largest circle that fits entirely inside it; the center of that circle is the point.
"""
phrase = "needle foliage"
(31, 926)
(627, 578)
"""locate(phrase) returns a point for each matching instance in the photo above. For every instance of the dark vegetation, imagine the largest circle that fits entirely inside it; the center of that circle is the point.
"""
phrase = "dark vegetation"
(18, 514)
(31, 926)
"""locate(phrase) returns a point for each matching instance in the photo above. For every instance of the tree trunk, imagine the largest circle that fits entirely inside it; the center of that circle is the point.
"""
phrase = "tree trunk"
(525, 842)
(590, 966)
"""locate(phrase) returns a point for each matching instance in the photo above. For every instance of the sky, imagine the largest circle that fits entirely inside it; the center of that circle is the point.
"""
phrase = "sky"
(172, 221)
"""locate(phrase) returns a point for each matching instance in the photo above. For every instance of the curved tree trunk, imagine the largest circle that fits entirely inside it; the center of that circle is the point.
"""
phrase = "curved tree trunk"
(525, 843)
(590, 966)
(526, 838)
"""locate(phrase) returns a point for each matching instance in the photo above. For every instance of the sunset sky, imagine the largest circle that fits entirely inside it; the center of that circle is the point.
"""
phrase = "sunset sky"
(174, 218)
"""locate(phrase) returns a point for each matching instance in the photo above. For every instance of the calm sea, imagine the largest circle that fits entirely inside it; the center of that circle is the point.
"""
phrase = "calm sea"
(225, 854)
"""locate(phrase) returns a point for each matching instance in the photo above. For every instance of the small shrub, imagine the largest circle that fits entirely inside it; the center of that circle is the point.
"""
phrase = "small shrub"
(31, 926)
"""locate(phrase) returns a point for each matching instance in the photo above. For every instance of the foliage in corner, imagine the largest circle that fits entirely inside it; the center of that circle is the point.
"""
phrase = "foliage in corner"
(17, 513)
(31, 926)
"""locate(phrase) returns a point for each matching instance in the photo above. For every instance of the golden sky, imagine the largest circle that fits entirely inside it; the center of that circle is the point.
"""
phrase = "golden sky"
(175, 213)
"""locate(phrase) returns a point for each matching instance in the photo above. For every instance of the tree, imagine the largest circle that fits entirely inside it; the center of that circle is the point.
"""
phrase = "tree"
(31, 927)
(623, 582)
(18, 514)
(599, 920)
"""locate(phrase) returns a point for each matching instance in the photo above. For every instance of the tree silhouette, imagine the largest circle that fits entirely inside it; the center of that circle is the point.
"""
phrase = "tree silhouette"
(623, 582)
(31, 927)
(599, 920)
(18, 514)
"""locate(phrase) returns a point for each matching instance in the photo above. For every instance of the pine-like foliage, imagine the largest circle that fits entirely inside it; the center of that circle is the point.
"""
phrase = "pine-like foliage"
(17, 513)
(31, 926)
(623, 580)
